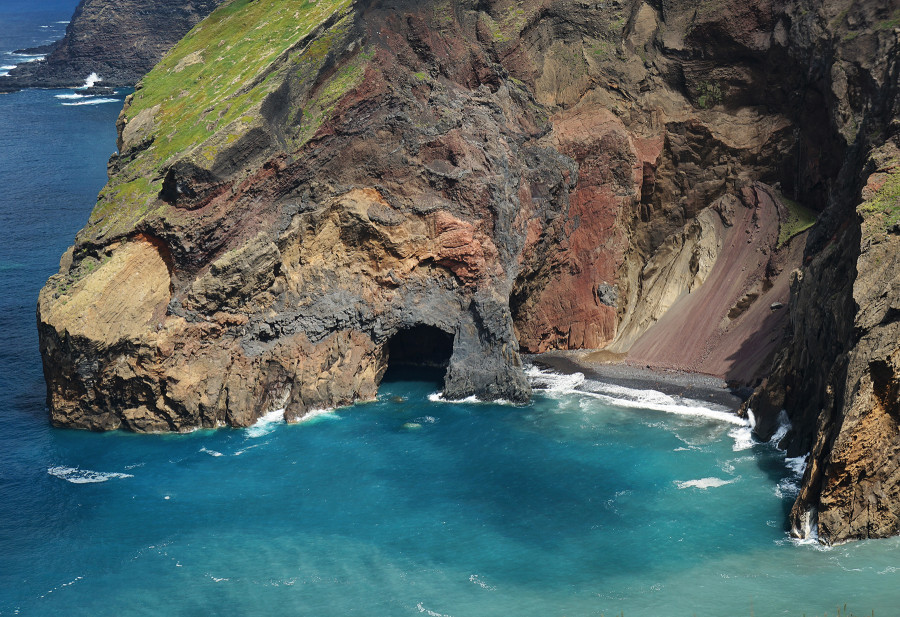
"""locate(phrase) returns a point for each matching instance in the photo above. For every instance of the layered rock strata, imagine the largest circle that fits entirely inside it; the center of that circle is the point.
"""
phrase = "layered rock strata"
(299, 184)
(119, 41)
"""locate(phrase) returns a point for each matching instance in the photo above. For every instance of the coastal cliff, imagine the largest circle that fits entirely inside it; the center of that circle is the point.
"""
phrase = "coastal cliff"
(306, 192)
(117, 40)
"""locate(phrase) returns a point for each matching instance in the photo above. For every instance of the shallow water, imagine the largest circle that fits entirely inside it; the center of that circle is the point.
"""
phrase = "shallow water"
(593, 500)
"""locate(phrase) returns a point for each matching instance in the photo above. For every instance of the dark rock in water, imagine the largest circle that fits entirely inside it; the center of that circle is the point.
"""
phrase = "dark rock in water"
(118, 40)
(97, 91)
(290, 211)
(40, 50)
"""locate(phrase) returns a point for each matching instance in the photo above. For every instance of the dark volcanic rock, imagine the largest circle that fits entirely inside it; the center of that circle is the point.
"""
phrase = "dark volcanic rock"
(302, 188)
(118, 40)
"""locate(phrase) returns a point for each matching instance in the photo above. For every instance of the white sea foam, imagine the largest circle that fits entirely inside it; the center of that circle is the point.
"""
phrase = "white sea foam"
(797, 464)
(28, 57)
(790, 486)
(787, 487)
(476, 579)
(92, 101)
(743, 438)
(437, 397)
(808, 532)
(73, 95)
(784, 425)
(90, 81)
(552, 382)
(266, 424)
(428, 612)
(632, 398)
(210, 452)
(7, 67)
(705, 483)
(426, 420)
(314, 415)
(83, 476)
(620, 396)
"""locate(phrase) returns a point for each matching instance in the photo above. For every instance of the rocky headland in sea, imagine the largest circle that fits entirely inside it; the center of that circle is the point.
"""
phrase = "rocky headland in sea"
(116, 41)
(307, 192)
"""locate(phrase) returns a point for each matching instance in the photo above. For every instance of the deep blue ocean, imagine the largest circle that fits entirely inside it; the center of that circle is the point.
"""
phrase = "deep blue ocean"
(593, 500)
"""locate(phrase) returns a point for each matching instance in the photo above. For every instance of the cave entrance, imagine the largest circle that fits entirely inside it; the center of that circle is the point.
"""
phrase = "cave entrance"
(419, 353)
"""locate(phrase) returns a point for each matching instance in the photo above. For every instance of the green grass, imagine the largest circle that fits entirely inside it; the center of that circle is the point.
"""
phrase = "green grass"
(799, 219)
(892, 22)
(209, 89)
(237, 44)
(709, 94)
(883, 210)
(509, 25)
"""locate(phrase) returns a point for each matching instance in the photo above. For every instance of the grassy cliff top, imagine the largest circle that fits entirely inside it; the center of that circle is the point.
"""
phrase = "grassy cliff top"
(206, 93)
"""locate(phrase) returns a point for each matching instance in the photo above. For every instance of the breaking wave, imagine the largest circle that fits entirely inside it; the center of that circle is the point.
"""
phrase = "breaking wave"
(314, 415)
(266, 424)
(83, 476)
(705, 483)
(90, 81)
(91, 101)
(438, 397)
(620, 396)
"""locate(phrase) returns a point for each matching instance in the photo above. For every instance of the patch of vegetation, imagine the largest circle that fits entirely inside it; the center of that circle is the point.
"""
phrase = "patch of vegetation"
(209, 89)
(709, 94)
(442, 18)
(799, 219)
(319, 106)
(840, 17)
(892, 22)
(508, 26)
(883, 210)
(601, 50)
(247, 36)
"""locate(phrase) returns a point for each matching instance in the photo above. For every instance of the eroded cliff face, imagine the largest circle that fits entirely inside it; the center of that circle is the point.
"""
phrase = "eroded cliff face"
(299, 184)
(119, 40)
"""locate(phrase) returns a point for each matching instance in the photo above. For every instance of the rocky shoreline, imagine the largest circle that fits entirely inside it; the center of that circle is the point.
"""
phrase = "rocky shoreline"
(673, 382)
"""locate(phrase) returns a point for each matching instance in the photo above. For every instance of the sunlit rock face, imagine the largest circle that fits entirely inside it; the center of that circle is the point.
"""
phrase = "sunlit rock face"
(301, 185)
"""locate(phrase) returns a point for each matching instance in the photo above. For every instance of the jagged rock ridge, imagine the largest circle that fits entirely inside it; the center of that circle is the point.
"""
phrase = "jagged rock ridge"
(301, 183)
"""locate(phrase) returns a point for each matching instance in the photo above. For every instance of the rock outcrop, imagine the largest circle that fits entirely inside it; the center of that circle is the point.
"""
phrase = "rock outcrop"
(119, 41)
(300, 187)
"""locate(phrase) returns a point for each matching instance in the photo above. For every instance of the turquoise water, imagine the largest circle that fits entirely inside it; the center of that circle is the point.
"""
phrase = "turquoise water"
(569, 506)
(590, 501)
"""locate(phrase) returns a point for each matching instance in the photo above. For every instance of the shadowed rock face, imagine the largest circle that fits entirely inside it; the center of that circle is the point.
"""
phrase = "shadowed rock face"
(300, 184)
(120, 40)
